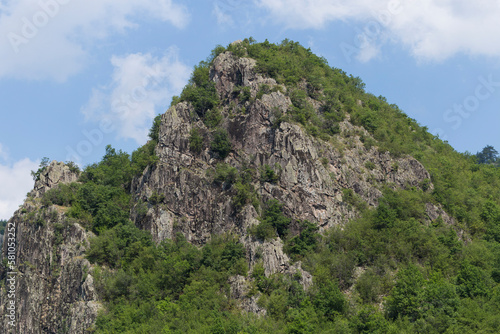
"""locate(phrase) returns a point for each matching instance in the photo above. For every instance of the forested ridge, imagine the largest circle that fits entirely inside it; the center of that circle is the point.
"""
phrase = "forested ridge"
(391, 270)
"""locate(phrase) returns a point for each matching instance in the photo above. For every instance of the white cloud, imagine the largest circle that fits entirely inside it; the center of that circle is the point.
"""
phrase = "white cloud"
(430, 29)
(52, 38)
(225, 11)
(3, 153)
(141, 87)
(222, 16)
(368, 52)
(16, 182)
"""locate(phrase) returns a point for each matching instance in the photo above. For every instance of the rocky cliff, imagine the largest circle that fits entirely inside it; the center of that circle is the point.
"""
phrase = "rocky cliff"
(180, 193)
(54, 291)
(312, 173)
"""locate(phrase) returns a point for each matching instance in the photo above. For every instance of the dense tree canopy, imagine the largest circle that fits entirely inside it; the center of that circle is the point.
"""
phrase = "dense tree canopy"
(487, 156)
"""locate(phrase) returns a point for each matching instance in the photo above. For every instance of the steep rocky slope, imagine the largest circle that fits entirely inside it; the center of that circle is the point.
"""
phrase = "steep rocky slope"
(54, 287)
(312, 172)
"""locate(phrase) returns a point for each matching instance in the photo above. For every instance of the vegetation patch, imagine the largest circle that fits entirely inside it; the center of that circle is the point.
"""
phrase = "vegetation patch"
(221, 144)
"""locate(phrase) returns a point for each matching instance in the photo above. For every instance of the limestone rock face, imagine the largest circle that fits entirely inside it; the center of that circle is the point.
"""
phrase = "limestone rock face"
(312, 173)
(55, 292)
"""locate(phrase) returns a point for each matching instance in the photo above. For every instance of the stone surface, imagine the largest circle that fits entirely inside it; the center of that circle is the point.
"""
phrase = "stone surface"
(228, 72)
(239, 291)
(55, 292)
(435, 211)
(56, 172)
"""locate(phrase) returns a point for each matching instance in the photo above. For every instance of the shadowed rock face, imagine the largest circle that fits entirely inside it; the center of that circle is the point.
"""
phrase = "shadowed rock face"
(312, 172)
(54, 286)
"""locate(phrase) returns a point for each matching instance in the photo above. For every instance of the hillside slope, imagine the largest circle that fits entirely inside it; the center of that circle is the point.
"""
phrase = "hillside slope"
(276, 195)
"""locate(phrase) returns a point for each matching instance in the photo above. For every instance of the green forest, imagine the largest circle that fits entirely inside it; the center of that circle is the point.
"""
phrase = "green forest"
(415, 277)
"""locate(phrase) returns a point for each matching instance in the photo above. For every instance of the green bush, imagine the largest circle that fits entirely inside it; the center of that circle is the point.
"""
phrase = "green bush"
(273, 222)
(407, 296)
(350, 197)
(142, 157)
(195, 140)
(201, 90)
(221, 144)
(3, 223)
(327, 298)
(114, 170)
(42, 167)
(369, 287)
(267, 174)
(117, 246)
(212, 118)
(263, 89)
(145, 155)
(369, 165)
(305, 242)
(156, 198)
(245, 194)
(224, 253)
(73, 167)
(106, 205)
(243, 93)
(370, 320)
(63, 195)
(224, 173)
(215, 52)
(472, 281)
(440, 303)
(263, 231)
(154, 132)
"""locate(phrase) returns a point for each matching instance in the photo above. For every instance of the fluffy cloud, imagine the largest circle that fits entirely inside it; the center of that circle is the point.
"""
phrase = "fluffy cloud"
(224, 10)
(3, 153)
(430, 29)
(15, 181)
(141, 87)
(51, 38)
(223, 17)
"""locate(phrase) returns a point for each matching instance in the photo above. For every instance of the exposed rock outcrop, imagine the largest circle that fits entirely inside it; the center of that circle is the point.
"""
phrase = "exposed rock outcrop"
(55, 173)
(228, 72)
(312, 172)
(240, 289)
(54, 284)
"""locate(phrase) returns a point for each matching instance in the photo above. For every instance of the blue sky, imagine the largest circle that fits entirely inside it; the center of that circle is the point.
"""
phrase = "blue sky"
(77, 75)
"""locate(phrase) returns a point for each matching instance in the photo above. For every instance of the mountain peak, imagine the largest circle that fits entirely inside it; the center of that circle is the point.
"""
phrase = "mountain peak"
(274, 185)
